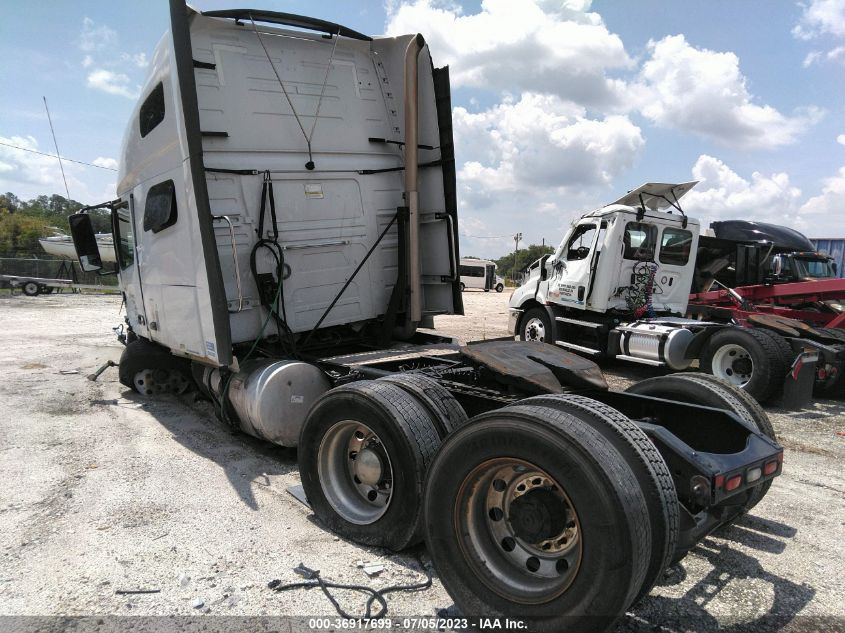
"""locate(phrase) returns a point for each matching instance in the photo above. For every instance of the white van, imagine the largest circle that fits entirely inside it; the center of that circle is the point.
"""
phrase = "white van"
(480, 273)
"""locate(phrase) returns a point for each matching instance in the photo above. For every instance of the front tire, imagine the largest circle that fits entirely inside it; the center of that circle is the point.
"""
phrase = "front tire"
(499, 287)
(150, 369)
(531, 514)
(536, 326)
(746, 358)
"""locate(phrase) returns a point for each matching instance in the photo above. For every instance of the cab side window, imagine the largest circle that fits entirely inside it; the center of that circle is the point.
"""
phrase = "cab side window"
(580, 243)
(675, 247)
(152, 110)
(160, 208)
(125, 237)
(640, 240)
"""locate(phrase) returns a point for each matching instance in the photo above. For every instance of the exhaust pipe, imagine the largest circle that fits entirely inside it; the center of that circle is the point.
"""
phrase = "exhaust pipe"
(412, 53)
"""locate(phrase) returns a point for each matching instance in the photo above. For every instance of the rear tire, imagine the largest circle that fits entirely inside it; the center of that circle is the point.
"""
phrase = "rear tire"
(443, 408)
(747, 358)
(364, 450)
(648, 465)
(577, 484)
(536, 326)
(463, 287)
(499, 287)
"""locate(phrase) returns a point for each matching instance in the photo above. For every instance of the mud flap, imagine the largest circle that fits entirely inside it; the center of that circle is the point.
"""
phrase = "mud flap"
(799, 381)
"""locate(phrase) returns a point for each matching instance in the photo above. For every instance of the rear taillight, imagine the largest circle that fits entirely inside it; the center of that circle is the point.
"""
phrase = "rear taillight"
(733, 483)
(753, 475)
(770, 467)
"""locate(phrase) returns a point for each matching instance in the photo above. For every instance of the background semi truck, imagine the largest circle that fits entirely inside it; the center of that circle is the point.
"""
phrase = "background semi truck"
(286, 220)
(618, 286)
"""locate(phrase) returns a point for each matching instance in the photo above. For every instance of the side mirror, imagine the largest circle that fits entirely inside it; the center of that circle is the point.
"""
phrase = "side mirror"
(85, 242)
(544, 272)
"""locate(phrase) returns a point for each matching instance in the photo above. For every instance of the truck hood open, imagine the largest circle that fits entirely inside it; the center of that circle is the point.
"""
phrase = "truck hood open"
(656, 195)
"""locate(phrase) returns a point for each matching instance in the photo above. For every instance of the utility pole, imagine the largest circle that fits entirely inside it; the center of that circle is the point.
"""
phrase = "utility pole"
(516, 239)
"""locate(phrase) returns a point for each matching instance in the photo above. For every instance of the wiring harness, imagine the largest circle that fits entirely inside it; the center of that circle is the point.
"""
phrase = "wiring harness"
(638, 295)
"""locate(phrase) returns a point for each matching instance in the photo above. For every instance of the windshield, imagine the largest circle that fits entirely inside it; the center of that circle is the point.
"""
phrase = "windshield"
(815, 268)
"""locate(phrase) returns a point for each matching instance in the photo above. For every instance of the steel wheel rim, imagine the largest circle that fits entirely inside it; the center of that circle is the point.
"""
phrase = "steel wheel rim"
(355, 472)
(526, 551)
(535, 330)
(733, 363)
(155, 381)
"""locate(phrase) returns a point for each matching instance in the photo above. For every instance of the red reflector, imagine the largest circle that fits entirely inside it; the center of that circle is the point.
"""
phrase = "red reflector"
(733, 483)
(718, 480)
(770, 467)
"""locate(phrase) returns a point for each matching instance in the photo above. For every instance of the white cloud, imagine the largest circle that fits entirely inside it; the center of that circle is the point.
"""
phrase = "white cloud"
(522, 45)
(112, 83)
(822, 215)
(821, 17)
(841, 139)
(704, 92)
(540, 142)
(87, 61)
(833, 55)
(29, 175)
(722, 194)
(94, 37)
(108, 163)
(138, 59)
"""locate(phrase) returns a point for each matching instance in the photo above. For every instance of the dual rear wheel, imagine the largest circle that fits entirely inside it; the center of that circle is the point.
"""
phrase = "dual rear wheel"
(557, 509)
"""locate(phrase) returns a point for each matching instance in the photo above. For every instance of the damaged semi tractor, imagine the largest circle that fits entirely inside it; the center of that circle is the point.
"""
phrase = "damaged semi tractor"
(286, 221)
(618, 287)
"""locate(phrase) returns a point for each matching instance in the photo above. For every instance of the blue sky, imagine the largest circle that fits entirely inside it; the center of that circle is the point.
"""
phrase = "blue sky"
(559, 105)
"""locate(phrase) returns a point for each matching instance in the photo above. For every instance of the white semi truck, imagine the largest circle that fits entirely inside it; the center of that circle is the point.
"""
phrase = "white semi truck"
(618, 286)
(285, 220)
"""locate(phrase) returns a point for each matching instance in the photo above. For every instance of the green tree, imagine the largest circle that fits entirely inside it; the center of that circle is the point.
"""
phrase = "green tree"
(524, 258)
(23, 222)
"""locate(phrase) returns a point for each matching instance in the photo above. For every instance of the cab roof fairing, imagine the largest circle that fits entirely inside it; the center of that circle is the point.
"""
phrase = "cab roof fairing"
(159, 65)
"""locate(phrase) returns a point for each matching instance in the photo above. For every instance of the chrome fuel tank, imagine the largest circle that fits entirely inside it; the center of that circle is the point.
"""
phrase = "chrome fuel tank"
(272, 397)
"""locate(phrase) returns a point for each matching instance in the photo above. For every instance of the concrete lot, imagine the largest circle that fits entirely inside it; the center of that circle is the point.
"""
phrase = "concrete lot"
(105, 491)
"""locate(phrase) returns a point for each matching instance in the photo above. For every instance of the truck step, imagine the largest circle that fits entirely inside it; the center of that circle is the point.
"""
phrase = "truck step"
(578, 322)
(579, 348)
(644, 361)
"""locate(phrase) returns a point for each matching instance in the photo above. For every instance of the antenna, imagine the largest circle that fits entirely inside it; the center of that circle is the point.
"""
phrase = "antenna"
(58, 155)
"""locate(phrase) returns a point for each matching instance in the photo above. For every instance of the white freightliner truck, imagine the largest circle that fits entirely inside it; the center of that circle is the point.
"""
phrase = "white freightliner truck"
(618, 286)
(286, 219)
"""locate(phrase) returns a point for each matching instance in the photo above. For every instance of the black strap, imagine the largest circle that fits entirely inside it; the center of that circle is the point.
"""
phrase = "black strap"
(267, 188)
(349, 281)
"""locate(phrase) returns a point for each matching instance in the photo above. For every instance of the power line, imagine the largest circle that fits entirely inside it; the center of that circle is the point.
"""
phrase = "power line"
(487, 237)
(70, 160)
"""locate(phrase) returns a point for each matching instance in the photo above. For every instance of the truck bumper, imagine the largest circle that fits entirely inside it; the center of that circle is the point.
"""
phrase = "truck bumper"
(513, 319)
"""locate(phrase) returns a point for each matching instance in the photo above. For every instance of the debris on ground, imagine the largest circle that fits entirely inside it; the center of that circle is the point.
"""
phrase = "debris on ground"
(371, 568)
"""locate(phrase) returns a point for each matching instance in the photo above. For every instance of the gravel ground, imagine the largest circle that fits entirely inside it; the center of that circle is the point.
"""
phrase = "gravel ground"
(104, 491)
